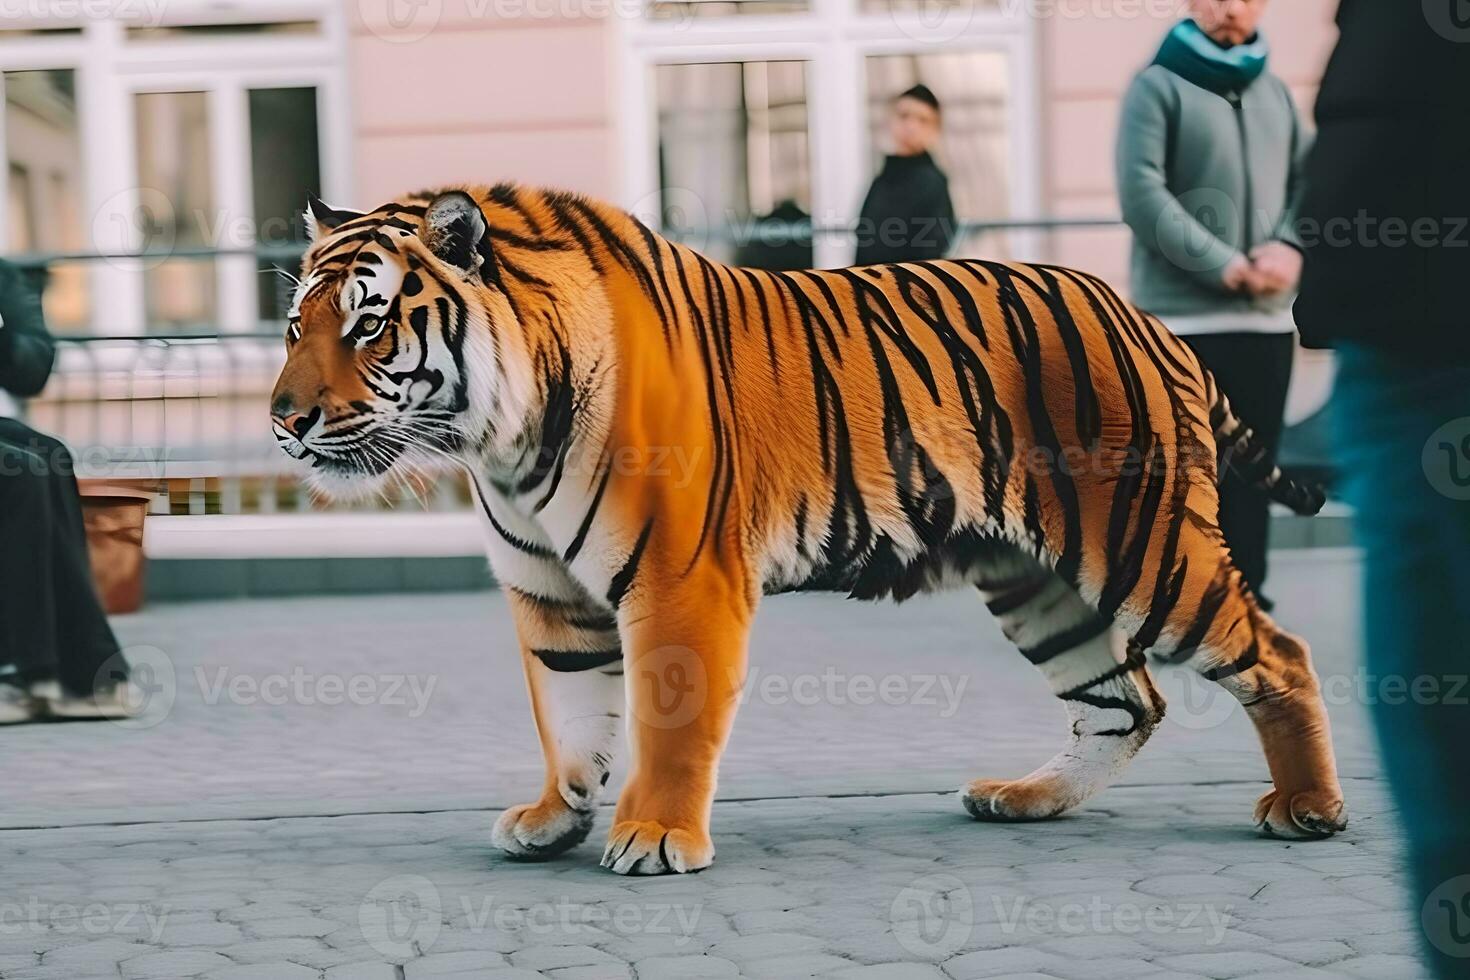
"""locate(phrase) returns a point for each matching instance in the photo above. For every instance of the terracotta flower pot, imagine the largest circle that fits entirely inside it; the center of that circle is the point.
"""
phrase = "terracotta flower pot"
(113, 514)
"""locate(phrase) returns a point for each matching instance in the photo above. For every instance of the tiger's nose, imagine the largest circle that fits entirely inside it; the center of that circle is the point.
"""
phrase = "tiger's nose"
(294, 422)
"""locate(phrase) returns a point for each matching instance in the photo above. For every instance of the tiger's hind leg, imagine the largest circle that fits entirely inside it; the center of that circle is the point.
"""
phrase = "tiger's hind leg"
(1228, 638)
(1111, 702)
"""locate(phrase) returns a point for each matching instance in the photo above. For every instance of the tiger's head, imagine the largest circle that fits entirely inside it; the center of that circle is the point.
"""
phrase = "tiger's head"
(391, 356)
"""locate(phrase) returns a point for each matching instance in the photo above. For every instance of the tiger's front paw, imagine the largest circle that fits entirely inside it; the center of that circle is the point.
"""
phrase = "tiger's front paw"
(1308, 815)
(537, 831)
(647, 847)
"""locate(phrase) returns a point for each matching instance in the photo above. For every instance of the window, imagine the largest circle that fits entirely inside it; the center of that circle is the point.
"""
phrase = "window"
(974, 148)
(684, 10)
(732, 137)
(42, 140)
(763, 113)
(285, 162)
(176, 208)
(181, 121)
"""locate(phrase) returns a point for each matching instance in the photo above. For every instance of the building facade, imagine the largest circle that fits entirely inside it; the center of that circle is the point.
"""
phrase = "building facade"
(195, 127)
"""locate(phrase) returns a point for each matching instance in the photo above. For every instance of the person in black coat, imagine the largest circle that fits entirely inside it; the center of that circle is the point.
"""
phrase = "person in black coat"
(58, 655)
(1384, 228)
(908, 215)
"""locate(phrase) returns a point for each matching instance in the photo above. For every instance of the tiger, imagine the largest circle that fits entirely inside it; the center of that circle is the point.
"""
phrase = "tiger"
(884, 431)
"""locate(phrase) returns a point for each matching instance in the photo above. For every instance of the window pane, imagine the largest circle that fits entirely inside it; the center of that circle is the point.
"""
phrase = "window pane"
(285, 164)
(733, 147)
(683, 10)
(973, 88)
(176, 208)
(45, 189)
(187, 31)
(932, 11)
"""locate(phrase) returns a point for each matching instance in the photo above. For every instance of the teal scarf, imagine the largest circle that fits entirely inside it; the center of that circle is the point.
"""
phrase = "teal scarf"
(1191, 54)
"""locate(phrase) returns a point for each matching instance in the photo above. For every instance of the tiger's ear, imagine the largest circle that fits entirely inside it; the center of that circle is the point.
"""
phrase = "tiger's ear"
(454, 228)
(322, 218)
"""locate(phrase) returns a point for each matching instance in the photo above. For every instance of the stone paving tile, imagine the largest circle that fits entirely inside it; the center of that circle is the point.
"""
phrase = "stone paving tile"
(790, 896)
(351, 842)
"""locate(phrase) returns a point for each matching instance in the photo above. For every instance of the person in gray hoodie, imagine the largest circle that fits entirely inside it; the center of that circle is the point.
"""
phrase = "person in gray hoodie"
(1209, 159)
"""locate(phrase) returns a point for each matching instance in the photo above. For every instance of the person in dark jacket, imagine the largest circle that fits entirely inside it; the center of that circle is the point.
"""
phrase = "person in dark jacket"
(1383, 224)
(58, 656)
(908, 215)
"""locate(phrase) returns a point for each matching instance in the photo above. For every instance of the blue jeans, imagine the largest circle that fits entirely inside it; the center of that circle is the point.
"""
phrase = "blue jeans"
(1403, 433)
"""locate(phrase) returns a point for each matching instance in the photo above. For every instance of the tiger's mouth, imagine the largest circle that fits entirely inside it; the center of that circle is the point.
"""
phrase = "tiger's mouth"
(348, 466)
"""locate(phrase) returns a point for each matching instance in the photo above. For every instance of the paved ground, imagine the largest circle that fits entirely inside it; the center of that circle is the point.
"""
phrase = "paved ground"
(311, 793)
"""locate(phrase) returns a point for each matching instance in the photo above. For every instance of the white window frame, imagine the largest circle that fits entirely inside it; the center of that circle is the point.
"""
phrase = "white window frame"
(110, 70)
(835, 38)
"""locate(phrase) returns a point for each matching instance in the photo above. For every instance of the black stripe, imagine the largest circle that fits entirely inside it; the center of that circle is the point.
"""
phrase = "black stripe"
(581, 537)
(1247, 660)
(1068, 639)
(1135, 711)
(1014, 598)
(624, 578)
(573, 661)
(519, 544)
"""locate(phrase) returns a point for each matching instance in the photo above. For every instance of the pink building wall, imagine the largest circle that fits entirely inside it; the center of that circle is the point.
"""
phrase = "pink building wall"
(481, 97)
(534, 98)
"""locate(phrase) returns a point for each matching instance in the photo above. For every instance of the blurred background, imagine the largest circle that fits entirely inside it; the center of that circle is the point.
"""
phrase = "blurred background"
(159, 152)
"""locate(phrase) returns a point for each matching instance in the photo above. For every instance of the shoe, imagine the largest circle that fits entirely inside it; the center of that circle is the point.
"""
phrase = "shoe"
(121, 700)
(17, 706)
